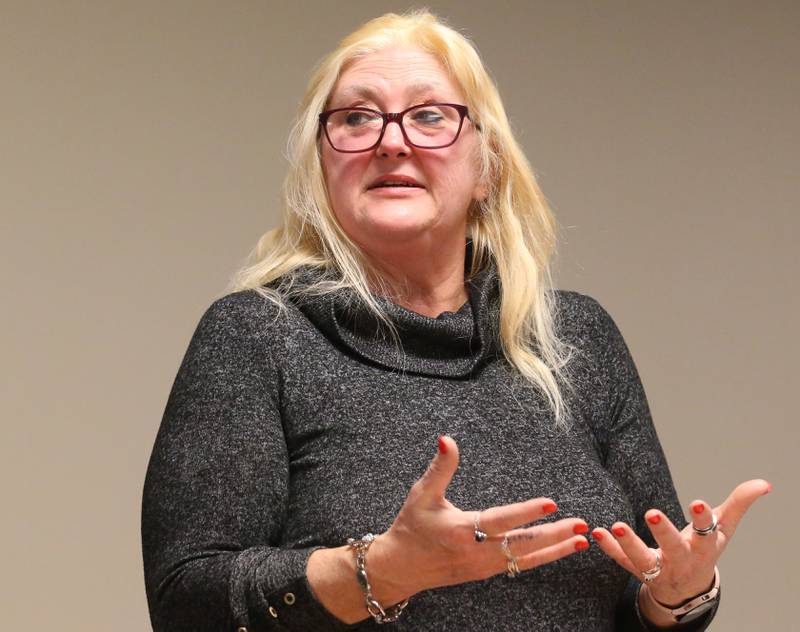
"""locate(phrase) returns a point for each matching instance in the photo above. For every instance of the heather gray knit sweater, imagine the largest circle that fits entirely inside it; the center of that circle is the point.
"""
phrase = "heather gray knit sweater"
(285, 434)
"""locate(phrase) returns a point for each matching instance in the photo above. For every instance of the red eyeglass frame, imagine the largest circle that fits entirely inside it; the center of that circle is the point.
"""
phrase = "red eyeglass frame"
(395, 117)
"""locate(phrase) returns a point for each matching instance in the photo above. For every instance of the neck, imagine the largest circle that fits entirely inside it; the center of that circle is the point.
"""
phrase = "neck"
(426, 278)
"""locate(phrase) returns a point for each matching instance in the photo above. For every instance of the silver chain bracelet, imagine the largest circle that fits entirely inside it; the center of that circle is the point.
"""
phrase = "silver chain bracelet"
(377, 611)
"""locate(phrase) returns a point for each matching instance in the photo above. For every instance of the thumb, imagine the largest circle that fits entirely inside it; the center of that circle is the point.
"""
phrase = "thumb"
(437, 477)
(740, 500)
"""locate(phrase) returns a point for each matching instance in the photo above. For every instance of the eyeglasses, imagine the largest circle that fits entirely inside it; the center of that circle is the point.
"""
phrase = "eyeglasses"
(428, 126)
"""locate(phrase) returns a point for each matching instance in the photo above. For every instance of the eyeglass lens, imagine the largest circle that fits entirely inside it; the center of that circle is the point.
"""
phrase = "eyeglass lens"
(425, 126)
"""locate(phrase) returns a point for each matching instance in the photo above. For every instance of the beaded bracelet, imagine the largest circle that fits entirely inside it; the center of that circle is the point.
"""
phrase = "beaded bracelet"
(375, 609)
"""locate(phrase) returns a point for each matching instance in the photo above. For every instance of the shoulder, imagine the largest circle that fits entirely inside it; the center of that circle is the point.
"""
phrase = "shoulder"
(583, 322)
(241, 304)
(582, 315)
(241, 317)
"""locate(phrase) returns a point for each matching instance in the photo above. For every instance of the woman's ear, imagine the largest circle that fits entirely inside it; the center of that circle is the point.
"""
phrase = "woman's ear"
(481, 192)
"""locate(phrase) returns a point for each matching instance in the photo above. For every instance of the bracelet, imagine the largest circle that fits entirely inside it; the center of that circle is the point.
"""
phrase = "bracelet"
(375, 609)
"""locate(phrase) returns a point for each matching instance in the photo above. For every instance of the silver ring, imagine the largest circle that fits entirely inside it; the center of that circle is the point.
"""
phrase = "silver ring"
(480, 536)
(511, 565)
(654, 572)
(709, 529)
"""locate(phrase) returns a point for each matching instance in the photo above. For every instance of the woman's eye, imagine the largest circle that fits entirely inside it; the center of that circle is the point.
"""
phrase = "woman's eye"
(427, 116)
(355, 118)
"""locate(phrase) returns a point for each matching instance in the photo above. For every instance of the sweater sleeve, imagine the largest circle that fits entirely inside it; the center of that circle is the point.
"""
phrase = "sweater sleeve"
(216, 488)
(635, 458)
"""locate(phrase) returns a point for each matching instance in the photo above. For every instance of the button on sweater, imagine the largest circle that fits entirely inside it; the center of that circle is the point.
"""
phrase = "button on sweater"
(289, 430)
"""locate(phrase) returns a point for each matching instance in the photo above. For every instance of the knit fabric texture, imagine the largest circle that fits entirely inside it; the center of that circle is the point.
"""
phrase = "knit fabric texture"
(289, 431)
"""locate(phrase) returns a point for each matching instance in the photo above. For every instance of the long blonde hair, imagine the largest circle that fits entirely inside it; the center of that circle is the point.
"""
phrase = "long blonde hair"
(513, 224)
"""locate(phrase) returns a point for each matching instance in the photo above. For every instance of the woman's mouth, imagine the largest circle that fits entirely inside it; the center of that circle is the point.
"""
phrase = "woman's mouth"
(397, 190)
(395, 181)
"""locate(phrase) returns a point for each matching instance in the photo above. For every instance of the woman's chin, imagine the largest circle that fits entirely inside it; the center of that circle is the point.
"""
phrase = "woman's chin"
(399, 224)
(398, 232)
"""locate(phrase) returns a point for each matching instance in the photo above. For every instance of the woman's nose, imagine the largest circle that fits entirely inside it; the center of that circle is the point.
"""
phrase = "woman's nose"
(393, 143)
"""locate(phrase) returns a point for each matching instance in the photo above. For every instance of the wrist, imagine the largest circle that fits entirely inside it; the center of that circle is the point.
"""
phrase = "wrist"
(675, 599)
(380, 612)
(390, 584)
(648, 608)
(665, 616)
(331, 576)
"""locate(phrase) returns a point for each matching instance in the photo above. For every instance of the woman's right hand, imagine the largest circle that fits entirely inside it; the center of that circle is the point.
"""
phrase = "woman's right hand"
(431, 543)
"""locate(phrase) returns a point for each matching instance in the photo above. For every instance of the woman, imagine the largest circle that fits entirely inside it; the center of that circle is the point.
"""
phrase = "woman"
(367, 329)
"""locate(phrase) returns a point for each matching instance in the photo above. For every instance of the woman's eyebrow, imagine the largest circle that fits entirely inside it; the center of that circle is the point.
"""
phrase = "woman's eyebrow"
(413, 90)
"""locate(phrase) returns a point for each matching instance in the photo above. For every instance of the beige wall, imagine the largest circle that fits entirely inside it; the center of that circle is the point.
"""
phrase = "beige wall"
(141, 158)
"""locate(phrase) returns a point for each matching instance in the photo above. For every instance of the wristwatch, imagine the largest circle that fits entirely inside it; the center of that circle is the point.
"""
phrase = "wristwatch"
(693, 609)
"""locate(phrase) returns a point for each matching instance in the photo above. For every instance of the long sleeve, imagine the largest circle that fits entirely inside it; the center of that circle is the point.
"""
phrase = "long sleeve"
(216, 489)
(635, 458)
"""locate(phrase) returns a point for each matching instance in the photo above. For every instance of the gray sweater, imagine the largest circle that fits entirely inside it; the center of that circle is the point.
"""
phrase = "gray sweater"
(285, 433)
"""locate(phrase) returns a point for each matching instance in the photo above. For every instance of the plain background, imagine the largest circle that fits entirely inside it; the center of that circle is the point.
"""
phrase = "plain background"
(142, 155)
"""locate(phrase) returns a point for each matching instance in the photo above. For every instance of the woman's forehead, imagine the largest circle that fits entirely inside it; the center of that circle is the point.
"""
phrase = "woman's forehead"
(409, 70)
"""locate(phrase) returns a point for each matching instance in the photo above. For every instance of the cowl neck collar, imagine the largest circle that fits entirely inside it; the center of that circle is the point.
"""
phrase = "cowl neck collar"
(454, 344)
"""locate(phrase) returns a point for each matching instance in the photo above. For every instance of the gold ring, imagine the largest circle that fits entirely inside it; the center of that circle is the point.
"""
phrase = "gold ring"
(511, 565)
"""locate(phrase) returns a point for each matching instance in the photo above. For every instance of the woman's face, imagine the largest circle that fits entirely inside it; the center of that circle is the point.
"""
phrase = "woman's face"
(376, 218)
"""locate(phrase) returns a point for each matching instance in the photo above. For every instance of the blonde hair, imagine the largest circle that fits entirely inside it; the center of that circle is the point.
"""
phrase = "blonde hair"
(513, 224)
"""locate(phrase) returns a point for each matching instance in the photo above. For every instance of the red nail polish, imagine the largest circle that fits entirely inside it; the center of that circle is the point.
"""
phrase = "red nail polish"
(698, 508)
(597, 535)
(618, 531)
(581, 545)
(580, 529)
(549, 507)
(442, 446)
(654, 519)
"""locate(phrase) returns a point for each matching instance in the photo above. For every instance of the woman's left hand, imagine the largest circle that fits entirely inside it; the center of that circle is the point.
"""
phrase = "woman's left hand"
(687, 558)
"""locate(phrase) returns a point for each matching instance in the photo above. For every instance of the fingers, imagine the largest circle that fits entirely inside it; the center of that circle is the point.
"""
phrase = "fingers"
(496, 520)
(702, 518)
(666, 534)
(640, 555)
(525, 541)
(552, 553)
(736, 505)
(611, 547)
(535, 545)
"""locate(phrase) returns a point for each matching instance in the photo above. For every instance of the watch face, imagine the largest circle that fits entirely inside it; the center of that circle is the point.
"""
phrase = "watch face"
(697, 612)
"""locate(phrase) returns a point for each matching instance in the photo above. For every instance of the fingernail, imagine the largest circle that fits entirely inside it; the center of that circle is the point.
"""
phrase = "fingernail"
(597, 535)
(654, 519)
(442, 446)
(698, 508)
(549, 507)
(581, 545)
(769, 488)
(580, 529)
(618, 531)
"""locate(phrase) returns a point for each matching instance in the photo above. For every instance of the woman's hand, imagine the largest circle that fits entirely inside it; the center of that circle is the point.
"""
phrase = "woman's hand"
(432, 543)
(687, 558)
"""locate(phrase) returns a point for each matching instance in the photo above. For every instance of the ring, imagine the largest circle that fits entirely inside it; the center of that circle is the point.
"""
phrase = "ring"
(511, 565)
(709, 529)
(654, 572)
(480, 536)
